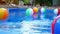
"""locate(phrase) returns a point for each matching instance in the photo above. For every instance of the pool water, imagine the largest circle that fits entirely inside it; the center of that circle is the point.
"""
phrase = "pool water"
(26, 27)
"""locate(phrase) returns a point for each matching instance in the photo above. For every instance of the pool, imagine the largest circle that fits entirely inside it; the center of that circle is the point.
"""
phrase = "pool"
(16, 23)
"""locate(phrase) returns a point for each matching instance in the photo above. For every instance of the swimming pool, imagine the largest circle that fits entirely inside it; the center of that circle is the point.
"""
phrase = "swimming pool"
(16, 23)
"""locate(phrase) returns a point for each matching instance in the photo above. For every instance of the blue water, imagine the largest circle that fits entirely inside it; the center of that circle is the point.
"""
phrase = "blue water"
(17, 23)
(26, 27)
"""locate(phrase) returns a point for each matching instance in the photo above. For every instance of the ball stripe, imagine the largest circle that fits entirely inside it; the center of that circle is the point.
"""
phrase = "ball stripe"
(5, 14)
(1, 14)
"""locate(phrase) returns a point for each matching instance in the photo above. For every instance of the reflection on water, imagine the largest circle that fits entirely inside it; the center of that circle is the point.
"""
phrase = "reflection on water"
(26, 27)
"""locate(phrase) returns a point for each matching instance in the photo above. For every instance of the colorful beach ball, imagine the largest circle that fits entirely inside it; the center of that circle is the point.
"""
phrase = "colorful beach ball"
(3, 13)
(35, 9)
(43, 9)
(56, 25)
(56, 11)
(29, 12)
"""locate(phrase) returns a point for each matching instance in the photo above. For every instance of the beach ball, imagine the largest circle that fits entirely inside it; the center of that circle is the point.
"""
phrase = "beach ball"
(43, 9)
(3, 13)
(56, 11)
(35, 9)
(29, 12)
(56, 25)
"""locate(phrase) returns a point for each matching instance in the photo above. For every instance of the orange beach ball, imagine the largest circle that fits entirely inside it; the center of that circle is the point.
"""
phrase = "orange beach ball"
(3, 13)
(35, 9)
